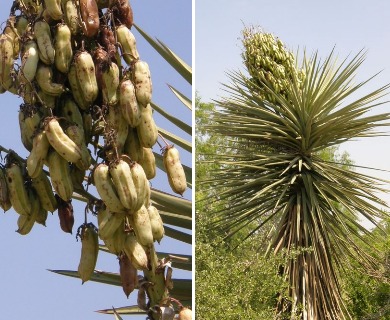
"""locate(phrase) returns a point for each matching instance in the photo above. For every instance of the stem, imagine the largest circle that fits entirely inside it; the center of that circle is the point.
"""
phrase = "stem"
(85, 195)
(158, 293)
(163, 139)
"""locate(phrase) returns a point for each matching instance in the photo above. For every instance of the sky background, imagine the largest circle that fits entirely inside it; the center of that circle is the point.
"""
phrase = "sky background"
(28, 290)
(347, 26)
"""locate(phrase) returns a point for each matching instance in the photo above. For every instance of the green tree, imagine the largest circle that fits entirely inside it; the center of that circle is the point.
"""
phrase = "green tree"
(368, 294)
(280, 119)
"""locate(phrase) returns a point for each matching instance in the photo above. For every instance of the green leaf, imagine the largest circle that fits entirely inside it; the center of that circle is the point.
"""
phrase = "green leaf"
(175, 61)
(130, 310)
(181, 290)
(176, 220)
(176, 139)
(117, 316)
(179, 261)
(178, 205)
(187, 102)
(178, 235)
(180, 124)
(98, 276)
(133, 310)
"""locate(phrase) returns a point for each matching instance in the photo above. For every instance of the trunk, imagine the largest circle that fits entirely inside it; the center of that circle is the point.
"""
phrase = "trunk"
(313, 292)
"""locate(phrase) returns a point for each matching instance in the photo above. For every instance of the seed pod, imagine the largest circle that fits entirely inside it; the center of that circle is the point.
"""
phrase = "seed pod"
(21, 25)
(85, 72)
(26, 222)
(65, 213)
(41, 217)
(30, 59)
(107, 40)
(77, 175)
(123, 12)
(89, 251)
(132, 146)
(105, 188)
(156, 223)
(102, 63)
(18, 194)
(38, 154)
(76, 134)
(25, 133)
(185, 314)
(128, 274)
(87, 126)
(110, 83)
(44, 191)
(26, 91)
(71, 16)
(12, 33)
(124, 184)
(44, 77)
(101, 59)
(46, 16)
(76, 89)
(32, 117)
(53, 9)
(6, 57)
(48, 101)
(107, 75)
(70, 111)
(12, 85)
(129, 104)
(109, 222)
(127, 44)
(119, 124)
(140, 222)
(90, 17)
(61, 142)
(142, 82)
(60, 176)
(29, 121)
(31, 7)
(176, 176)
(115, 244)
(63, 48)
(135, 252)
(141, 184)
(5, 202)
(148, 163)
(2, 89)
(42, 35)
(147, 129)
(147, 198)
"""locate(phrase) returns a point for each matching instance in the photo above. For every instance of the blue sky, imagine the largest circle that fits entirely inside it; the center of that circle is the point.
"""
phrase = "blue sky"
(347, 26)
(28, 290)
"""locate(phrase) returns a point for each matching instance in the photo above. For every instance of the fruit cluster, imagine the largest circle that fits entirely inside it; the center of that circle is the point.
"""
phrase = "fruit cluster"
(269, 63)
(76, 66)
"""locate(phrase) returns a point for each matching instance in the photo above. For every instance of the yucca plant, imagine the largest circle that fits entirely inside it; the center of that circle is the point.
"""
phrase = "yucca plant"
(279, 120)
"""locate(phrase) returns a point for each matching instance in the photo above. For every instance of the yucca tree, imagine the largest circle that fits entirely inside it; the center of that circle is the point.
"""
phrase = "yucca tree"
(272, 171)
